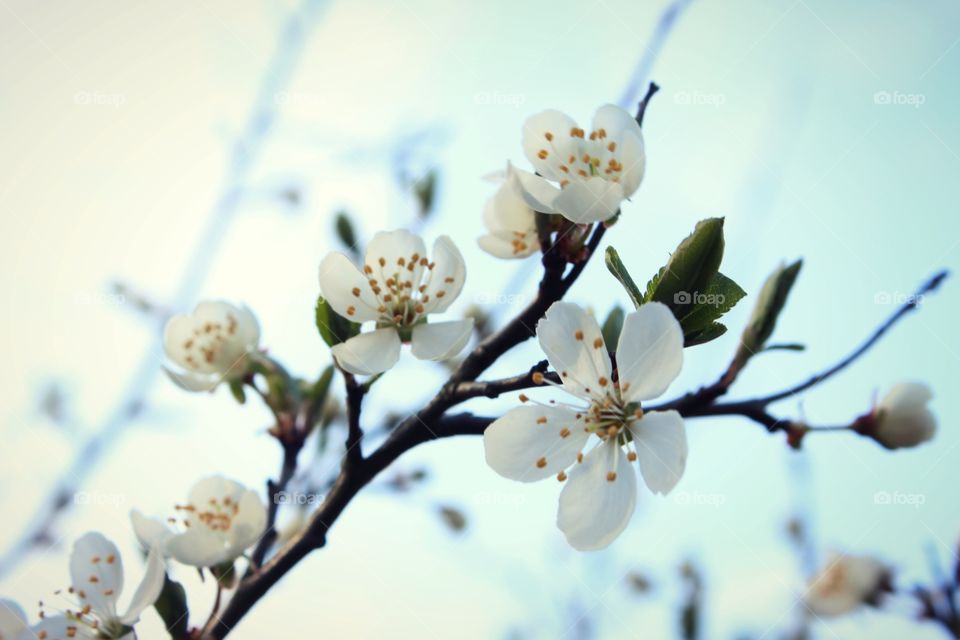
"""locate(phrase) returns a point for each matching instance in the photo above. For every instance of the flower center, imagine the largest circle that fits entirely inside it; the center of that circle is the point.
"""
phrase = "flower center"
(207, 341)
(587, 156)
(401, 289)
(217, 515)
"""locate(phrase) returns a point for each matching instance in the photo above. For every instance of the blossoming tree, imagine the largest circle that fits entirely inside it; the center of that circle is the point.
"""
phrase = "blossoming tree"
(591, 413)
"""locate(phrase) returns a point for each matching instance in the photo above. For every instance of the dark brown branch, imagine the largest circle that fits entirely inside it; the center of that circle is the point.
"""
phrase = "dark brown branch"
(425, 425)
(353, 456)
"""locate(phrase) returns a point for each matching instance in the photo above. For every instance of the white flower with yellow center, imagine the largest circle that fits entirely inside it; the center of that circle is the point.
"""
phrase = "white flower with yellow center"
(902, 419)
(845, 583)
(219, 522)
(12, 620)
(582, 176)
(96, 576)
(212, 344)
(511, 223)
(397, 290)
(535, 441)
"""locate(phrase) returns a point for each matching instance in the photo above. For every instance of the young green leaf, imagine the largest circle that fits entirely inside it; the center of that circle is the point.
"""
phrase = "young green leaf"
(763, 320)
(173, 609)
(333, 328)
(612, 327)
(619, 271)
(690, 268)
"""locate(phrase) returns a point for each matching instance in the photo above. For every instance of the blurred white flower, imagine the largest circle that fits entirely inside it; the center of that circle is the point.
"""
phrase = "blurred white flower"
(845, 583)
(583, 177)
(535, 441)
(902, 419)
(398, 288)
(511, 223)
(212, 344)
(96, 575)
(221, 520)
(12, 619)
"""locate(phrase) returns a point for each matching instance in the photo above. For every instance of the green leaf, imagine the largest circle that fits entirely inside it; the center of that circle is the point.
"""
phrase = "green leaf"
(770, 303)
(708, 333)
(690, 268)
(320, 389)
(615, 266)
(333, 328)
(425, 190)
(720, 296)
(173, 609)
(345, 232)
(612, 327)
(236, 388)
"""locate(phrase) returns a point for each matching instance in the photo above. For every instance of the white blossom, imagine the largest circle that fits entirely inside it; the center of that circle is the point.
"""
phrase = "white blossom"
(220, 521)
(96, 577)
(510, 222)
(845, 583)
(212, 344)
(582, 176)
(12, 620)
(535, 441)
(397, 290)
(902, 419)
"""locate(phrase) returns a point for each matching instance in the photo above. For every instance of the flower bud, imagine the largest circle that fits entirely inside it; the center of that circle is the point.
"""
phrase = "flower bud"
(845, 583)
(901, 418)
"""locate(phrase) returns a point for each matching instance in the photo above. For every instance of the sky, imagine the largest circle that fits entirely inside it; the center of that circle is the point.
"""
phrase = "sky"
(821, 129)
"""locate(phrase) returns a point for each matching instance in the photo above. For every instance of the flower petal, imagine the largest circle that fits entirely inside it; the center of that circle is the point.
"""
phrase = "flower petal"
(594, 509)
(571, 339)
(440, 340)
(149, 589)
(547, 141)
(516, 444)
(615, 121)
(650, 352)
(661, 442)
(590, 200)
(369, 353)
(392, 247)
(539, 194)
(176, 332)
(58, 628)
(250, 521)
(96, 569)
(346, 289)
(198, 548)
(150, 532)
(12, 619)
(189, 381)
(634, 160)
(446, 278)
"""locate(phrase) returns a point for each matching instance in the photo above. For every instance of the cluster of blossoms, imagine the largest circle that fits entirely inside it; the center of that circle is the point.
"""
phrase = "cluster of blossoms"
(220, 521)
(96, 582)
(582, 176)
